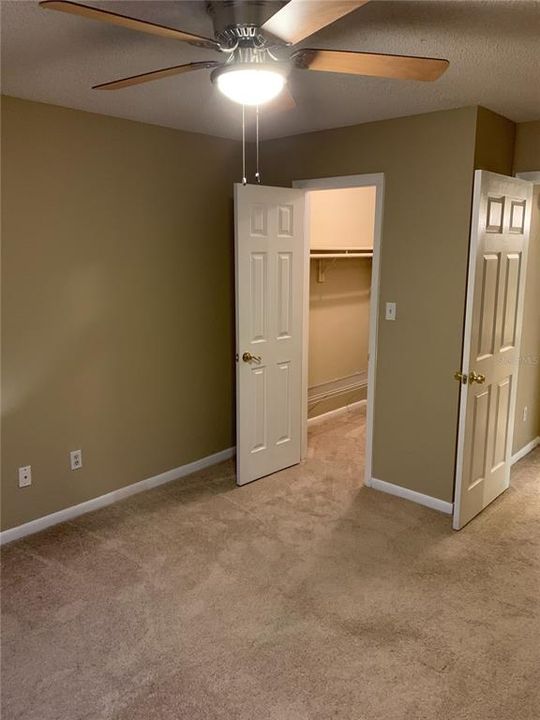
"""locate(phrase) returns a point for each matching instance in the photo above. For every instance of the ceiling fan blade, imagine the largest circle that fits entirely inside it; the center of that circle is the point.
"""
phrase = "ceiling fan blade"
(401, 67)
(129, 22)
(155, 75)
(300, 18)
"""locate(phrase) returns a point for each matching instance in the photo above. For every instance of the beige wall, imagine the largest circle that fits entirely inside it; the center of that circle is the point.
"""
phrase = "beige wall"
(338, 327)
(527, 152)
(428, 164)
(117, 302)
(342, 218)
(495, 139)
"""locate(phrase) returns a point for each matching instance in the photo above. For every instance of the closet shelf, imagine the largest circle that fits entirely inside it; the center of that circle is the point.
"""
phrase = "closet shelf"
(341, 254)
(336, 254)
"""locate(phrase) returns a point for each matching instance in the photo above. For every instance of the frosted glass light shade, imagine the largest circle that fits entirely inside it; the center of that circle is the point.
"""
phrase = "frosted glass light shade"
(251, 86)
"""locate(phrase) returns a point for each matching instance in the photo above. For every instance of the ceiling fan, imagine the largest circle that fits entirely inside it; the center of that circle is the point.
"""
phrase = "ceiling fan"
(251, 34)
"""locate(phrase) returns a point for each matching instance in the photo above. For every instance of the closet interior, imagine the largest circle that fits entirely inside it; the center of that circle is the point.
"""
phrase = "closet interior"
(341, 229)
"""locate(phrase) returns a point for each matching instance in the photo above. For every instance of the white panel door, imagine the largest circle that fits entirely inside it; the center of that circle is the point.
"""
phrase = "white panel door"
(270, 281)
(495, 293)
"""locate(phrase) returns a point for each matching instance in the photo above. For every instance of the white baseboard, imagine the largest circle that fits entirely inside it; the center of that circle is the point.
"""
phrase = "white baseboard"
(95, 503)
(340, 386)
(337, 411)
(413, 496)
(525, 450)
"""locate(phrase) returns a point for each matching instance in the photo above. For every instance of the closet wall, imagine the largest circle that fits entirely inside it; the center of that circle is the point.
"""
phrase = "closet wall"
(338, 333)
(339, 302)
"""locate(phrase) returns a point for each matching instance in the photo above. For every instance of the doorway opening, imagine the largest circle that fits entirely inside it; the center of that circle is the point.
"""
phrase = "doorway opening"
(343, 220)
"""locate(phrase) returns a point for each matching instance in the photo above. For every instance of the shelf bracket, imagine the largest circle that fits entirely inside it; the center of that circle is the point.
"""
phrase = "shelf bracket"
(322, 268)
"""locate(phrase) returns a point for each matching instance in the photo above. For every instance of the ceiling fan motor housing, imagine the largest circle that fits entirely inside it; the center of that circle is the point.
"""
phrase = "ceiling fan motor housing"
(237, 23)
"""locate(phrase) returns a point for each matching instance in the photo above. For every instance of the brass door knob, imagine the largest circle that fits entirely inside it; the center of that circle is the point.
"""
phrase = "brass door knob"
(460, 377)
(248, 357)
(475, 377)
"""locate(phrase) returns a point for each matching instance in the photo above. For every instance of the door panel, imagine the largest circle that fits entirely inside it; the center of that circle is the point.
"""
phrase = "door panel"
(284, 310)
(283, 404)
(486, 334)
(501, 423)
(495, 292)
(258, 390)
(270, 277)
(285, 221)
(510, 304)
(258, 299)
(479, 437)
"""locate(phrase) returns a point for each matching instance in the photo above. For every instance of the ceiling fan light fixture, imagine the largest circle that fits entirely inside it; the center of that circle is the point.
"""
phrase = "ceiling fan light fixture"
(251, 85)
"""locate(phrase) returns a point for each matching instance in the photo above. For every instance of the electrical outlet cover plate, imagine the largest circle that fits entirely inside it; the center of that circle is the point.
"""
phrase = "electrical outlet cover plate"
(75, 459)
(25, 476)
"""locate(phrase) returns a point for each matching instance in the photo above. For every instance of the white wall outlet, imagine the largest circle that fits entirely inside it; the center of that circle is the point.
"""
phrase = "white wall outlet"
(25, 476)
(75, 459)
(390, 311)
(525, 413)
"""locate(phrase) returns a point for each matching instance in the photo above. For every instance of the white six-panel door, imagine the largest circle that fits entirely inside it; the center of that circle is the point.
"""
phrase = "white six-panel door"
(270, 281)
(495, 294)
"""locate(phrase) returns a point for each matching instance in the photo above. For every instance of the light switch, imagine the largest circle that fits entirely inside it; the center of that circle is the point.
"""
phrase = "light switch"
(390, 311)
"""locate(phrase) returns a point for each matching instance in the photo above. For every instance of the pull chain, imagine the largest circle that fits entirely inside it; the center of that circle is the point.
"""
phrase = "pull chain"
(257, 173)
(244, 178)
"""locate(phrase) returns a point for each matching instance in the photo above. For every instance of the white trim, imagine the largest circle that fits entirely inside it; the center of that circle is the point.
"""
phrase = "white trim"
(413, 496)
(305, 332)
(467, 335)
(339, 181)
(333, 413)
(533, 177)
(356, 382)
(103, 500)
(344, 181)
(525, 450)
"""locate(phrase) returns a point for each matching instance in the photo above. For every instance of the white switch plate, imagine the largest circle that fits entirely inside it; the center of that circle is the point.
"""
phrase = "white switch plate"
(390, 311)
(75, 459)
(525, 413)
(25, 476)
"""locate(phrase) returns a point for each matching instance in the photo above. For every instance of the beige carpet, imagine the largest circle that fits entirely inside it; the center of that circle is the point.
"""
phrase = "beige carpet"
(300, 597)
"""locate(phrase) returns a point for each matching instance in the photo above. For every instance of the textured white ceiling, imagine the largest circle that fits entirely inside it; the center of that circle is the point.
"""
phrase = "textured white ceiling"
(493, 47)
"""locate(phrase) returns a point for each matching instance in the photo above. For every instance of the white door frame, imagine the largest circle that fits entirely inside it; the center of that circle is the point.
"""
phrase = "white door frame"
(346, 181)
(533, 177)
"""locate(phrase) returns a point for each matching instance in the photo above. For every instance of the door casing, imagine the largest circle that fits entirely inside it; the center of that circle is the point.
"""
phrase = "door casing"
(346, 181)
